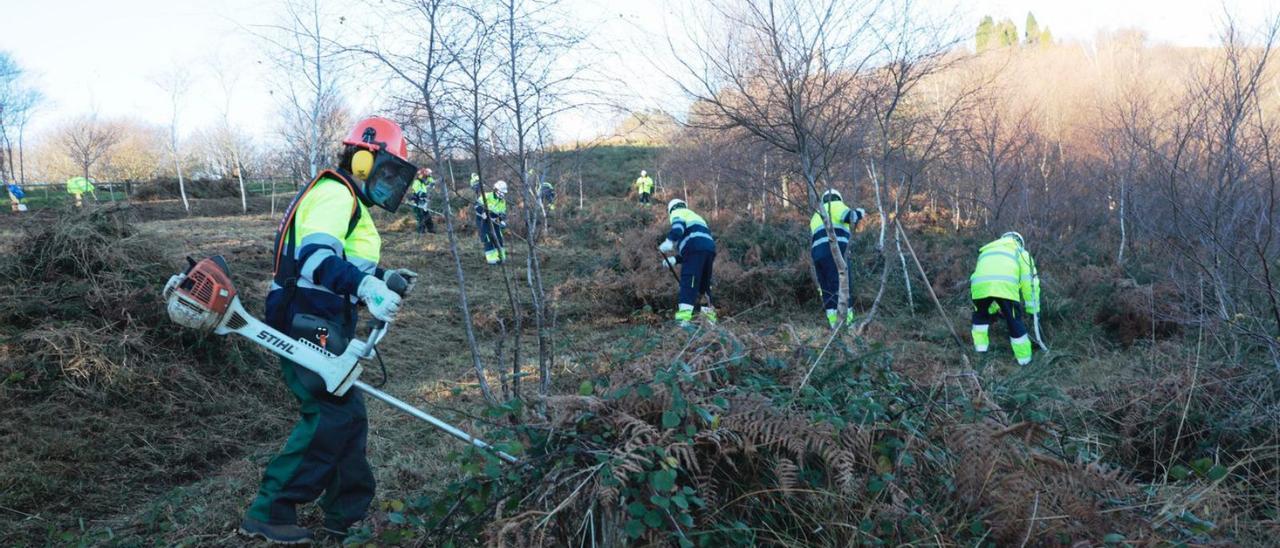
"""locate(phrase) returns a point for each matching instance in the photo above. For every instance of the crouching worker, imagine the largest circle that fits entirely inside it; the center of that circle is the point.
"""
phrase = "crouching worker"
(690, 245)
(843, 222)
(1004, 283)
(327, 252)
(17, 198)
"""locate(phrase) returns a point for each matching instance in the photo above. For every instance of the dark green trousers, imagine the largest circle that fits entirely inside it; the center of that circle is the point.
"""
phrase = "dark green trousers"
(325, 454)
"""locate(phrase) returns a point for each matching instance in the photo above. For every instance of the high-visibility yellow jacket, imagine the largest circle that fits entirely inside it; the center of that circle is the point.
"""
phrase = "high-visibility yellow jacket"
(326, 244)
(419, 186)
(843, 220)
(690, 231)
(491, 207)
(79, 185)
(644, 185)
(1007, 271)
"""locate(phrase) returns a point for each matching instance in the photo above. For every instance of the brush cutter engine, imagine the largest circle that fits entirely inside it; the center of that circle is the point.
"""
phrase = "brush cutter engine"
(204, 298)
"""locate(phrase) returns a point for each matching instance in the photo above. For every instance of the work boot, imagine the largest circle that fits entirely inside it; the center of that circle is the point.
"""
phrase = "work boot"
(1022, 349)
(275, 534)
(708, 315)
(981, 338)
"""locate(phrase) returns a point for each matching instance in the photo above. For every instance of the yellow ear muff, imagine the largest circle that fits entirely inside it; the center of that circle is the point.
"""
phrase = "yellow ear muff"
(361, 164)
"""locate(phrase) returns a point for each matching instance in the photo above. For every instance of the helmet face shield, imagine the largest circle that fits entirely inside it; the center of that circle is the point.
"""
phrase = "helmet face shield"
(388, 181)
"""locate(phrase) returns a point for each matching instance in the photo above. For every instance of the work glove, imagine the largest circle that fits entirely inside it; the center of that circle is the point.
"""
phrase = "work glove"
(668, 247)
(670, 262)
(383, 303)
(862, 213)
(410, 277)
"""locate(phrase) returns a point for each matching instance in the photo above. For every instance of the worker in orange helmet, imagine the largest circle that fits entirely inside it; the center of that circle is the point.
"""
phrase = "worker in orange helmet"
(326, 263)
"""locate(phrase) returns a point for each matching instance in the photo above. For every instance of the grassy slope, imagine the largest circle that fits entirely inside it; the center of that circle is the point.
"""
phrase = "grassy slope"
(430, 364)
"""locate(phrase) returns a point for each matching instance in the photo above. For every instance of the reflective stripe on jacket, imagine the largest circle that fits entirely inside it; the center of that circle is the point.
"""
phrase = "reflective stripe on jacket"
(495, 206)
(334, 245)
(843, 220)
(1007, 271)
(688, 229)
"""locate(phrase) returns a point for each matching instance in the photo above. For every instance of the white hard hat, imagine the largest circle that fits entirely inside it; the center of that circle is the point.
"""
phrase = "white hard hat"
(1015, 236)
(832, 195)
(642, 173)
(500, 187)
(676, 203)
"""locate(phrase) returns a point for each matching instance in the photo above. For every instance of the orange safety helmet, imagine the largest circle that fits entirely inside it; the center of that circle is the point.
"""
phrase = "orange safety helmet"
(376, 133)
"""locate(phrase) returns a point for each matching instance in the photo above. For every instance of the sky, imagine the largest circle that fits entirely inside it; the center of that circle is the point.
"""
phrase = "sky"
(106, 55)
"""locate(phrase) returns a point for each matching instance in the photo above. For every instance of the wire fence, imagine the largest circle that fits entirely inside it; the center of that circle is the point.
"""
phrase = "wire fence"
(45, 195)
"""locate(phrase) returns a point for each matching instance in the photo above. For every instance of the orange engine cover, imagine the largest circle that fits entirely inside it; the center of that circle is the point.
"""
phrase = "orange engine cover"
(209, 283)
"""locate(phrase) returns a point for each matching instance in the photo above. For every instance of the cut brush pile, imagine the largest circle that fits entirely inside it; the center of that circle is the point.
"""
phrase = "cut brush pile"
(103, 399)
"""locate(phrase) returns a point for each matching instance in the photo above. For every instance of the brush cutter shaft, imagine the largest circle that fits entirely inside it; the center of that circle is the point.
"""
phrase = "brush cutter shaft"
(427, 417)
(1039, 339)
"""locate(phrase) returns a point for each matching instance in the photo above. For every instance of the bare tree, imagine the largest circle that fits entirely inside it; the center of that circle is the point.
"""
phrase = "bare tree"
(87, 140)
(228, 138)
(788, 74)
(531, 40)
(309, 64)
(175, 84)
(17, 103)
(423, 68)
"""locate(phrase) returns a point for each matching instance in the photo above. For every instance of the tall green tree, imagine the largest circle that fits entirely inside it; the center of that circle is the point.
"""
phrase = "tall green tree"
(986, 31)
(1032, 30)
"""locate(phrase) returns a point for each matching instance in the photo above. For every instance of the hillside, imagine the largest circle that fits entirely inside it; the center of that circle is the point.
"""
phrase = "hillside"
(118, 428)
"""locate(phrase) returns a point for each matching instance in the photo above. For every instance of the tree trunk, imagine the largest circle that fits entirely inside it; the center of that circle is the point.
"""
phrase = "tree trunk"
(182, 185)
(1123, 235)
(22, 165)
(244, 200)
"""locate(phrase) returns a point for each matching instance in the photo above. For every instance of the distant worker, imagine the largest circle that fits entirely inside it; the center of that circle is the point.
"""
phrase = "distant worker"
(326, 262)
(17, 198)
(843, 222)
(1005, 283)
(474, 183)
(690, 245)
(644, 186)
(491, 218)
(547, 193)
(420, 198)
(77, 186)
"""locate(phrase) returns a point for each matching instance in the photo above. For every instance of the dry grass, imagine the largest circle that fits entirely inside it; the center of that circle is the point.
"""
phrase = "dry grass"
(110, 417)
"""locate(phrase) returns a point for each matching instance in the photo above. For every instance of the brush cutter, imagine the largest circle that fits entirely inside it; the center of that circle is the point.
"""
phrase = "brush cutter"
(423, 206)
(204, 298)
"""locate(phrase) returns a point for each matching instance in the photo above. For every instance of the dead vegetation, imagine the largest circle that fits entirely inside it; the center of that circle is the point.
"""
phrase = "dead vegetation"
(100, 394)
(711, 439)
(649, 436)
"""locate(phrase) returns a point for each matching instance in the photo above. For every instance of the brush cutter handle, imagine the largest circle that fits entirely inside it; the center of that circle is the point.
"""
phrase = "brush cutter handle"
(397, 283)
(400, 286)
